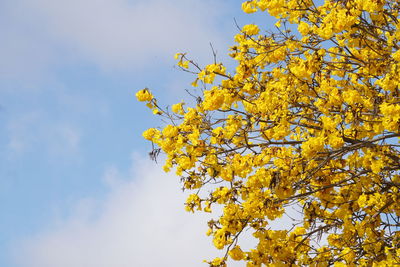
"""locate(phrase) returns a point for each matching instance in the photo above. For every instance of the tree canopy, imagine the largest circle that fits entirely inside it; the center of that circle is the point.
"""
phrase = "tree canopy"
(308, 121)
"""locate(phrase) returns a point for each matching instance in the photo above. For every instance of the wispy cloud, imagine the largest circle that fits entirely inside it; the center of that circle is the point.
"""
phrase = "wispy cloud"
(113, 35)
(34, 131)
(141, 223)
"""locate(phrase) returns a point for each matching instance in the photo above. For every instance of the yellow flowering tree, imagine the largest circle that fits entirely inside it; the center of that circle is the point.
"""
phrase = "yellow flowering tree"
(308, 121)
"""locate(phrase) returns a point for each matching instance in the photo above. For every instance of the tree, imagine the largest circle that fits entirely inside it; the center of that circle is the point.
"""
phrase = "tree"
(308, 121)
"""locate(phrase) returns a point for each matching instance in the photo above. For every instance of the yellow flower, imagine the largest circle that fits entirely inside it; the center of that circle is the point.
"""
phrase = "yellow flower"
(144, 95)
(177, 108)
(248, 7)
(170, 131)
(396, 55)
(156, 111)
(250, 29)
(236, 253)
(218, 262)
(184, 64)
(303, 28)
(149, 134)
(177, 55)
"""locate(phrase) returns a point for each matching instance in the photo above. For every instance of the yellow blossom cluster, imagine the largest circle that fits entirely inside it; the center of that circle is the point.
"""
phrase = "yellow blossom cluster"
(308, 120)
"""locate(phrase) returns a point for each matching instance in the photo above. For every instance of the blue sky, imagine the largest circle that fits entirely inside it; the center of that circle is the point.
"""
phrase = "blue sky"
(76, 185)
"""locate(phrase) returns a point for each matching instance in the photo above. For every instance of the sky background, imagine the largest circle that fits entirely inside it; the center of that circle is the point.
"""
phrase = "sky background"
(77, 188)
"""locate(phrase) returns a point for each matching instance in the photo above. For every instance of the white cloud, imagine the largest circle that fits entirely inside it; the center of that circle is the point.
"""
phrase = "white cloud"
(112, 34)
(17, 139)
(67, 138)
(142, 223)
(36, 131)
